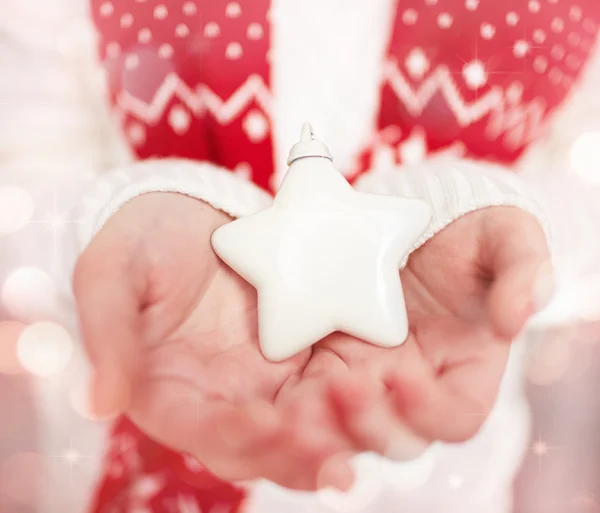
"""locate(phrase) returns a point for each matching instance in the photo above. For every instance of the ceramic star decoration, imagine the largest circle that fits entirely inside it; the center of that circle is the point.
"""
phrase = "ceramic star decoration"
(324, 257)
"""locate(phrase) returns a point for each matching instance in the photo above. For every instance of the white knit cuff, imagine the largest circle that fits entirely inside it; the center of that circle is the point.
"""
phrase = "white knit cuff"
(452, 187)
(216, 186)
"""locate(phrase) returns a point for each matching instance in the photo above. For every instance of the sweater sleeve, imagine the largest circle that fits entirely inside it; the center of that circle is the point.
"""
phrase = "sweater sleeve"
(558, 180)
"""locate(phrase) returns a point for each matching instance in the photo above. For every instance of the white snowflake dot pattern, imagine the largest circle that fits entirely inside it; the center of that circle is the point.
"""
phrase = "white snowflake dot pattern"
(192, 463)
(126, 20)
(557, 25)
(189, 8)
(234, 51)
(557, 52)
(487, 31)
(233, 10)
(255, 31)
(431, 2)
(410, 16)
(179, 119)
(412, 150)
(256, 126)
(136, 134)
(113, 50)
(161, 12)
(212, 29)
(575, 13)
(512, 18)
(106, 9)
(474, 74)
(556, 76)
(540, 64)
(534, 6)
(417, 63)
(132, 62)
(539, 36)
(144, 36)
(445, 20)
(244, 170)
(520, 48)
(514, 92)
(574, 39)
(165, 51)
(146, 487)
(472, 5)
(182, 30)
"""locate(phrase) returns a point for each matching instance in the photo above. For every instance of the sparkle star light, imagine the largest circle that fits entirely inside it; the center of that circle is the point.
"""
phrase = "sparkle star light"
(56, 221)
(540, 449)
(324, 257)
(72, 458)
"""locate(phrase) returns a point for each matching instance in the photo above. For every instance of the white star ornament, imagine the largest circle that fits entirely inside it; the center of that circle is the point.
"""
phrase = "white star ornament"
(323, 257)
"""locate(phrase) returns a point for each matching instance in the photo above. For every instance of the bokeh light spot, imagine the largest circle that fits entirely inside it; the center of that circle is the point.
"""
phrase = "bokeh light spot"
(44, 348)
(16, 209)
(9, 336)
(29, 294)
(584, 158)
(409, 475)
(366, 488)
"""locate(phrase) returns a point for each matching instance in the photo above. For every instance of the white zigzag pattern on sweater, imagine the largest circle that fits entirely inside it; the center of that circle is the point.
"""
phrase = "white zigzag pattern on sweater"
(518, 121)
(199, 100)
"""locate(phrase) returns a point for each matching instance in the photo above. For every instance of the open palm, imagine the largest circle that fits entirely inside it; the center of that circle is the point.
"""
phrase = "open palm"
(172, 334)
(469, 291)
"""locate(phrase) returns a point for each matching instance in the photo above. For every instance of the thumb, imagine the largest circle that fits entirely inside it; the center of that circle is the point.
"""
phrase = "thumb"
(109, 316)
(522, 273)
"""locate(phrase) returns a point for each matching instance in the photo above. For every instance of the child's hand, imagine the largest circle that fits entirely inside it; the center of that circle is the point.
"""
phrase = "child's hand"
(172, 335)
(469, 291)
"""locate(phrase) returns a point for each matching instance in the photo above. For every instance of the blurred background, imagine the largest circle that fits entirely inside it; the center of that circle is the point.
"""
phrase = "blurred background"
(560, 474)
(561, 471)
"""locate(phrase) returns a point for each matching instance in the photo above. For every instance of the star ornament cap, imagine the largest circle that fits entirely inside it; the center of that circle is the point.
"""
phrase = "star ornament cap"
(323, 257)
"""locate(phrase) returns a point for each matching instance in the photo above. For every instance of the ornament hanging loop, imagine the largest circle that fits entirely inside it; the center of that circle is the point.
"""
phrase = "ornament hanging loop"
(308, 146)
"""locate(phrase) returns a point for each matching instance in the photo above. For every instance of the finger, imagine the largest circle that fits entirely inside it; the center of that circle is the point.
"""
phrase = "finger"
(306, 461)
(441, 409)
(109, 316)
(337, 473)
(235, 442)
(368, 416)
(285, 453)
(247, 429)
(519, 261)
(314, 449)
(230, 440)
(179, 416)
